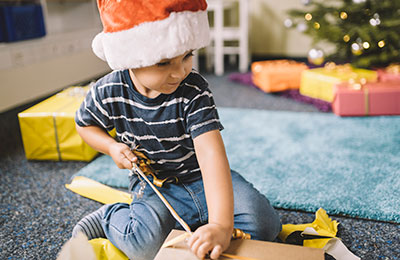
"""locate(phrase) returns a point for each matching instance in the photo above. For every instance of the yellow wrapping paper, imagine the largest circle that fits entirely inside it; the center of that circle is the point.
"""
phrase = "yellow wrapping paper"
(322, 224)
(319, 82)
(48, 128)
(105, 250)
(97, 191)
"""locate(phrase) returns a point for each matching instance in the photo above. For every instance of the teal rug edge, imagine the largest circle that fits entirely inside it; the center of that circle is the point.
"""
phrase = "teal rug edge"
(246, 129)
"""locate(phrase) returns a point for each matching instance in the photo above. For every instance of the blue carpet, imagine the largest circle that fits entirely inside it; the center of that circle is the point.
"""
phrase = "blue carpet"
(304, 161)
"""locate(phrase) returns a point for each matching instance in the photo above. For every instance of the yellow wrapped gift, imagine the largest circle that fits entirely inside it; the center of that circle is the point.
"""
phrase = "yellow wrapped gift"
(48, 128)
(319, 82)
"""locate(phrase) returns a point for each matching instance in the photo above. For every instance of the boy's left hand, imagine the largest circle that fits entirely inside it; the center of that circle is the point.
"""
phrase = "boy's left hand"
(210, 238)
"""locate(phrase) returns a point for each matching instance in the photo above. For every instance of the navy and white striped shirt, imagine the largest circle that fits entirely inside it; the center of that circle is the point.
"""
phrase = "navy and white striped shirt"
(163, 127)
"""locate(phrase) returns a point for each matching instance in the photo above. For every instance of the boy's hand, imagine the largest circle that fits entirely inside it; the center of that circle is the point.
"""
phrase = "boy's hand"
(122, 155)
(210, 238)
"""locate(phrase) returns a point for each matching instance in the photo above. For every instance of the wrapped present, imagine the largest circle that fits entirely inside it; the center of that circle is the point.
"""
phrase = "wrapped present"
(377, 98)
(390, 73)
(277, 75)
(319, 82)
(48, 128)
(176, 248)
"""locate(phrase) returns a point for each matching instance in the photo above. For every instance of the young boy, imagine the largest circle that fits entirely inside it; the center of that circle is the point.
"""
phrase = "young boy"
(164, 110)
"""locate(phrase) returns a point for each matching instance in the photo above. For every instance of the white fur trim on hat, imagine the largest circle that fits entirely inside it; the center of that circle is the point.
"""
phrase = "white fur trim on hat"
(150, 42)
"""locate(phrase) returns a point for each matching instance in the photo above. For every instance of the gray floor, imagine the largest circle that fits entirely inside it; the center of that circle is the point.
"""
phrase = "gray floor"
(38, 212)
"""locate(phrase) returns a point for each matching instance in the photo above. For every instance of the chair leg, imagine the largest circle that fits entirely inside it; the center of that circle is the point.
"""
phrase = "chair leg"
(195, 60)
(218, 39)
(243, 58)
(244, 34)
(232, 59)
(209, 58)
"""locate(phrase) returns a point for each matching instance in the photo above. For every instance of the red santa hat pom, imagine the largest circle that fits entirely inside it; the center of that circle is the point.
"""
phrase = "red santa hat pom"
(140, 33)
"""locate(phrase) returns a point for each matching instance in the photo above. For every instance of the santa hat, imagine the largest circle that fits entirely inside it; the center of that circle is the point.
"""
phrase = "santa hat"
(140, 33)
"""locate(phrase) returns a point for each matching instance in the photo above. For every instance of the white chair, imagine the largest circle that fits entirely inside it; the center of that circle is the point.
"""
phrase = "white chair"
(219, 34)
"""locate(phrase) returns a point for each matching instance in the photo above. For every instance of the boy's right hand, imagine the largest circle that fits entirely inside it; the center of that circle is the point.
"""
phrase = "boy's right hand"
(122, 155)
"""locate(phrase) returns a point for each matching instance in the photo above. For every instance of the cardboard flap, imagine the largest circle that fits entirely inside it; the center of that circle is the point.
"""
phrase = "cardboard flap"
(244, 248)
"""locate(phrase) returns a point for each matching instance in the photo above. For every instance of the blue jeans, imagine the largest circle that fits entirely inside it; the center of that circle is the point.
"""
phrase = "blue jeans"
(139, 229)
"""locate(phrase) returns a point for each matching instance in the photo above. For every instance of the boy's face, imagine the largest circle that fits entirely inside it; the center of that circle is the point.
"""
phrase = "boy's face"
(163, 77)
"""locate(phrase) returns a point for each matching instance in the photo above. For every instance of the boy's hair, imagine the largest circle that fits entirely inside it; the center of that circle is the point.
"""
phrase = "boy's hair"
(140, 33)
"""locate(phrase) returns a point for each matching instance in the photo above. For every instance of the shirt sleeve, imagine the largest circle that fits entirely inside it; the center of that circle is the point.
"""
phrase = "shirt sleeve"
(92, 111)
(202, 115)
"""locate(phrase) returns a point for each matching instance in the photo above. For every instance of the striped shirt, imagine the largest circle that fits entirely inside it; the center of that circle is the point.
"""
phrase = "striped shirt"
(163, 128)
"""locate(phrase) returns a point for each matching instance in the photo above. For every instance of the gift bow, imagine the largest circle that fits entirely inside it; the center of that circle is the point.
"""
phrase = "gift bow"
(393, 68)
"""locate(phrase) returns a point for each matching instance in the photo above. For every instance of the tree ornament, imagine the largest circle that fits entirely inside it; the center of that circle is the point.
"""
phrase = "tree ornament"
(316, 56)
(366, 45)
(381, 43)
(356, 49)
(374, 21)
(288, 23)
(346, 38)
(343, 15)
(301, 27)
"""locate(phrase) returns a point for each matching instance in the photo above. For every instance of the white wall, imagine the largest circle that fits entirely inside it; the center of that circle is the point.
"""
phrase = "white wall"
(33, 69)
(23, 84)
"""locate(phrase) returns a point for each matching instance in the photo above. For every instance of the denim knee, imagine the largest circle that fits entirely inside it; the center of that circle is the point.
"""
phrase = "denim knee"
(268, 228)
(138, 229)
(140, 250)
(253, 211)
(262, 223)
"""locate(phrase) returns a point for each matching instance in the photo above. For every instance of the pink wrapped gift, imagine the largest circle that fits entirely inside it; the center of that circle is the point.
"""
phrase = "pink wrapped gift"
(377, 98)
(391, 73)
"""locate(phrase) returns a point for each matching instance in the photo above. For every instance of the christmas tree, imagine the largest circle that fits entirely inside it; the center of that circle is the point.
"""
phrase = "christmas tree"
(365, 33)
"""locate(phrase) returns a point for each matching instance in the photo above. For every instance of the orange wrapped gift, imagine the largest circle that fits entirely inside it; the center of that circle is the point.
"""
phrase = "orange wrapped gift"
(375, 98)
(277, 75)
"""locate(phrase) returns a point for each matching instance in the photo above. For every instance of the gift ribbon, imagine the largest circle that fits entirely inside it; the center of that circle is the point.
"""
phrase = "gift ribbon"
(71, 92)
(366, 101)
(185, 226)
(361, 86)
(55, 114)
(56, 136)
(345, 68)
(236, 232)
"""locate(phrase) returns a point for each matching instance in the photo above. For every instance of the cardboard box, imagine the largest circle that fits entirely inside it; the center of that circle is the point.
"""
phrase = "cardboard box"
(379, 98)
(245, 248)
(319, 82)
(48, 128)
(277, 75)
